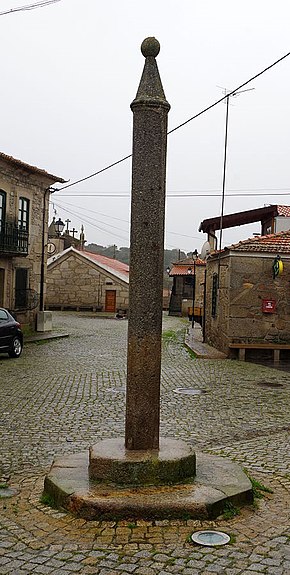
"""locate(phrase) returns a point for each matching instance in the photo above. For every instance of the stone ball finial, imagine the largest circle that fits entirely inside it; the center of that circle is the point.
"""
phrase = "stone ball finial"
(150, 47)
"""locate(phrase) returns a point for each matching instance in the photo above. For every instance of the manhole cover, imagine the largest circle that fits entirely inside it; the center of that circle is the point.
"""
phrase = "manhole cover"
(210, 538)
(116, 390)
(188, 391)
(269, 384)
(8, 492)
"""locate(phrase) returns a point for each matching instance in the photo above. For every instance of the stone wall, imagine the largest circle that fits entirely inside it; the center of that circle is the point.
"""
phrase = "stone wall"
(18, 183)
(216, 326)
(245, 281)
(73, 281)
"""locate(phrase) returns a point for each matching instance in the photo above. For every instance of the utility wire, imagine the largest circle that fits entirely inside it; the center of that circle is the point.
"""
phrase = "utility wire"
(113, 234)
(92, 175)
(92, 219)
(63, 205)
(30, 6)
(81, 208)
(87, 221)
(181, 195)
(186, 121)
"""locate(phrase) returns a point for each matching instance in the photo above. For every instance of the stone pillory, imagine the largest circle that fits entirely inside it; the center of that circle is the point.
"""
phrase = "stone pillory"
(124, 479)
(150, 109)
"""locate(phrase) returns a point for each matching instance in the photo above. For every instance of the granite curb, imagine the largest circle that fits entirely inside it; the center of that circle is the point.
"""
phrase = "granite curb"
(44, 337)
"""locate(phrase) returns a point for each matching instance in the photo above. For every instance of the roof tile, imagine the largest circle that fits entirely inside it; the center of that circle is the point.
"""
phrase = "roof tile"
(180, 268)
(273, 243)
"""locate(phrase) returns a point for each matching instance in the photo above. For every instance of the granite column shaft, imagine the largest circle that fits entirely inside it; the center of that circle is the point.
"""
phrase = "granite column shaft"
(150, 110)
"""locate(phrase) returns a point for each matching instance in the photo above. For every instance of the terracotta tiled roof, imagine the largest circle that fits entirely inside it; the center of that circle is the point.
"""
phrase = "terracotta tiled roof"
(110, 265)
(283, 211)
(110, 262)
(273, 243)
(31, 169)
(180, 268)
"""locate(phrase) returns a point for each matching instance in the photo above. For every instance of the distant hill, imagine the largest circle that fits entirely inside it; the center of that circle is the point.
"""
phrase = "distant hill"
(123, 254)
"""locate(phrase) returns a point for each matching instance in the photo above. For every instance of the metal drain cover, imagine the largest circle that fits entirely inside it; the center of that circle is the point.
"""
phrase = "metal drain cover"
(188, 391)
(210, 538)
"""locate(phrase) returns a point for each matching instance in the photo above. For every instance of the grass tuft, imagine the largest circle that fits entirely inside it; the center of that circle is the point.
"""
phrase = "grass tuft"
(48, 500)
(230, 511)
(259, 489)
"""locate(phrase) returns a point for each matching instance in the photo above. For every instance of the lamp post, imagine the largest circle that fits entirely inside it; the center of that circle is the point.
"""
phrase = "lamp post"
(189, 271)
(59, 227)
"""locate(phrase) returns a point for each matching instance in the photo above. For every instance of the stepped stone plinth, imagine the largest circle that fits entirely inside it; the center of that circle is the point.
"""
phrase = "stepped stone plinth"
(217, 482)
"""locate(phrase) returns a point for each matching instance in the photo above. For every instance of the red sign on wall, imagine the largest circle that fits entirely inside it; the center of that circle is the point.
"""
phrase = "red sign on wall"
(268, 306)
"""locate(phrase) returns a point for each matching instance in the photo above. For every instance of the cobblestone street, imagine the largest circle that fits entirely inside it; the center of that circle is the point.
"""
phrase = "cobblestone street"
(63, 395)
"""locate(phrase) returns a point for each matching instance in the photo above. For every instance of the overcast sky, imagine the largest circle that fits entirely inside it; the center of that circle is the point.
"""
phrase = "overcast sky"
(69, 72)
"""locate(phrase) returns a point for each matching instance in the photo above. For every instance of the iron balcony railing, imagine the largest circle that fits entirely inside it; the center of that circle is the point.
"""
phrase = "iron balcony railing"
(13, 241)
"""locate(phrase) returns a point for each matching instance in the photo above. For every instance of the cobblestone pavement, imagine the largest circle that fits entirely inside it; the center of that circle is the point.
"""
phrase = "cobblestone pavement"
(63, 395)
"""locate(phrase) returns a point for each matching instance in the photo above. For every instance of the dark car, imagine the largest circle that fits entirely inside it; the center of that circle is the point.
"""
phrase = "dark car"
(11, 336)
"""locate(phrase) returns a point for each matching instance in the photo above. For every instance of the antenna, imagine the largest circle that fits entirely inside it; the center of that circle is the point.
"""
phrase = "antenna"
(205, 251)
(227, 99)
(226, 91)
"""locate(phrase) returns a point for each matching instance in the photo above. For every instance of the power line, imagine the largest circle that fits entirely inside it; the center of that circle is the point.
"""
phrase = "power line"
(87, 220)
(183, 235)
(92, 175)
(114, 234)
(63, 205)
(232, 93)
(30, 6)
(93, 219)
(181, 195)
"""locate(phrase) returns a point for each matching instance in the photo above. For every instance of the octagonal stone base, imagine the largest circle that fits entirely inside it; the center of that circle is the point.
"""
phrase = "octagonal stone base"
(217, 482)
(110, 461)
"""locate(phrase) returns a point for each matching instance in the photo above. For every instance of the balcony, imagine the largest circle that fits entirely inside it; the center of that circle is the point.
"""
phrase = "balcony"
(13, 241)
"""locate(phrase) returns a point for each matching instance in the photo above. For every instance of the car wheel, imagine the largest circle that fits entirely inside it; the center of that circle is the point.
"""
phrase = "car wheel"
(16, 348)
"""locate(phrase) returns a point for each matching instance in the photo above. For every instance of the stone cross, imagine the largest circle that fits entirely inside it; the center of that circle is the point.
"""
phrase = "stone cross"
(74, 231)
(67, 225)
(150, 109)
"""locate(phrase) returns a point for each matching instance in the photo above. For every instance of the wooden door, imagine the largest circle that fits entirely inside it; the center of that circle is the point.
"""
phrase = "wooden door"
(110, 304)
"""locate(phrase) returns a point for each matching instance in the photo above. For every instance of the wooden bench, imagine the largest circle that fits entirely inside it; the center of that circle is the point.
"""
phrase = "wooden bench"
(73, 307)
(276, 347)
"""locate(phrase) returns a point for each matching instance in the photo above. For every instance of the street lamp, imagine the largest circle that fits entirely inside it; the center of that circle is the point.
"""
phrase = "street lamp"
(189, 271)
(59, 227)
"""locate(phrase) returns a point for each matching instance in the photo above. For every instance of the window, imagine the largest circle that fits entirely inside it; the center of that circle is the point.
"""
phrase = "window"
(23, 214)
(2, 209)
(3, 315)
(214, 294)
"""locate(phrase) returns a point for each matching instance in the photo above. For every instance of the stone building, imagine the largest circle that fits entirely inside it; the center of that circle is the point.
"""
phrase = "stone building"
(188, 285)
(24, 199)
(78, 279)
(245, 301)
